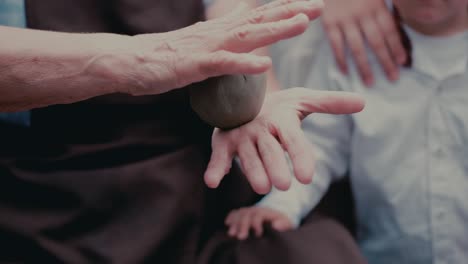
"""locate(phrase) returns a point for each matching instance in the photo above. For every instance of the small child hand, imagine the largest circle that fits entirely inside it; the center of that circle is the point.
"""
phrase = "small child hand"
(241, 221)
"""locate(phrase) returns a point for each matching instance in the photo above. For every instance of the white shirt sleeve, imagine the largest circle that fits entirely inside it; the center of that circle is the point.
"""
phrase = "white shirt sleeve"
(330, 135)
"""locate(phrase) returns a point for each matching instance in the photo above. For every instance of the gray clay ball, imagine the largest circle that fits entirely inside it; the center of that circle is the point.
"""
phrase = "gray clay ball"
(228, 101)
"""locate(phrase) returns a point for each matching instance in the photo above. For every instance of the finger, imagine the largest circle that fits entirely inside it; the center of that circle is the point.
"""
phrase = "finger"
(224, 63)
(232, 232)
(376, 40)
(300, 152)
(250, 37)
(234, 222)
(387, 26)
(328, 102)
(358, 51)
(244, 226)
(219, 165)
(335, 36)
(257, 224)
(253, 168)
(274, 161)
(278, 3)
(310, 8)
(230, 218)
(237, 17)
(282, 224)
(239, 10)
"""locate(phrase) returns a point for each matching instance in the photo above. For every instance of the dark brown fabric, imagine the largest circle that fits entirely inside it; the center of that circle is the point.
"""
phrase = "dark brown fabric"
(116, 179)
(320, 239)
(115, 16)
(324, 237)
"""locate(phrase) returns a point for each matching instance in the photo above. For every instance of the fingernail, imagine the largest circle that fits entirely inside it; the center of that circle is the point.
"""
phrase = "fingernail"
(369, 82)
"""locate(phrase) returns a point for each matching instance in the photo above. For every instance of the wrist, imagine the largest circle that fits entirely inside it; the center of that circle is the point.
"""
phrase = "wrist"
(116, 60)
(139, 65)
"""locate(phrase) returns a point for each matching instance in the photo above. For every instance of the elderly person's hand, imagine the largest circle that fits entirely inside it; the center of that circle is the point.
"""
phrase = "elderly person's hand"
(217, 47)
(352, 22)
(41, 68)
(262, 143)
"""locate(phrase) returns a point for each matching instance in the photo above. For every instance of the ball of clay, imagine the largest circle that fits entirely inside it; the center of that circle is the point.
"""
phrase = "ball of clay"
(228, 101)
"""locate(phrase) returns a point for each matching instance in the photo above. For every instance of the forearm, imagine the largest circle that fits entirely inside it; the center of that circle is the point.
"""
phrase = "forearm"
(39, 68)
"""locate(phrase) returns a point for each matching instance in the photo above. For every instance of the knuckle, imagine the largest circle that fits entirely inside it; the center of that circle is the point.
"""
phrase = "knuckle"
(256, 18)
(217, 62)
(242, 34)
(288, 10)
(274, 28)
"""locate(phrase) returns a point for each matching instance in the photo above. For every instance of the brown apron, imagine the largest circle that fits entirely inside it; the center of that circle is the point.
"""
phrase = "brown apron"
(116, 179)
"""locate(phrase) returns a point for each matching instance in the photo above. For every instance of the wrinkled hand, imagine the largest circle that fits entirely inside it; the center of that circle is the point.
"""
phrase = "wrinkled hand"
(351, 22)
(216, 47)
(260, 144)
(241, 221)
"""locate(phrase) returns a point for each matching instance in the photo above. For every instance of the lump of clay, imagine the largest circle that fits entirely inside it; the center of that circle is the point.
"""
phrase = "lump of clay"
(228, 101)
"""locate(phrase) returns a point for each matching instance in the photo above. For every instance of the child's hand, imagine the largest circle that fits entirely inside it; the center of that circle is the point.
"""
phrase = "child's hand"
(242, 220)
(261, 144)
(352, 23)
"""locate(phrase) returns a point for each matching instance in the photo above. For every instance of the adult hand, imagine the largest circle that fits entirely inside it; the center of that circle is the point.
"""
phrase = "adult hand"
(215, 47)
(351, 22)
(260, 144)
(241, 221)
(63, 68)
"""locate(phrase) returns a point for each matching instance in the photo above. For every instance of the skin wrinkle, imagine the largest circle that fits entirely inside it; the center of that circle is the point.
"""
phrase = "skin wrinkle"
(95, 64)
(31, 71)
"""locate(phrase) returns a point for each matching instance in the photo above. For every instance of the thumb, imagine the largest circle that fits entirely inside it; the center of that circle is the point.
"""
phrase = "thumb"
(219, 165)
(328, 102)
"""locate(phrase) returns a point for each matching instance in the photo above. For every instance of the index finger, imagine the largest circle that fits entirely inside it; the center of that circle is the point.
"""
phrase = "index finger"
(328, 102)
(388, 26)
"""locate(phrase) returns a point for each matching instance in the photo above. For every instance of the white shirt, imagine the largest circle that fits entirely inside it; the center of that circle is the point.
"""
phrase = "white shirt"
(407, 155)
